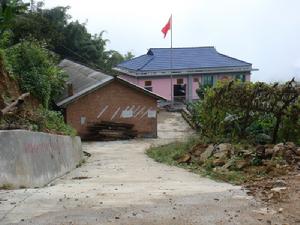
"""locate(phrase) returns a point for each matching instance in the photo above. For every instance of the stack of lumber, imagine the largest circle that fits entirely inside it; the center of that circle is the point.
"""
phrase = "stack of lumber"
(110, 131)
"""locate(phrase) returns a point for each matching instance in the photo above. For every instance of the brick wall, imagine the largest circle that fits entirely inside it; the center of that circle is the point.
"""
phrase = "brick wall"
(115, 102)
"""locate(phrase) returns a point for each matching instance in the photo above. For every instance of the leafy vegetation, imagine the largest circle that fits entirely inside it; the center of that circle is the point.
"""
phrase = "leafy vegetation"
(53, 122)
(67, 39)
(35, 69)
(170, 152)
(255, 112)
(8, 11)
(32, 41)
(237, 122)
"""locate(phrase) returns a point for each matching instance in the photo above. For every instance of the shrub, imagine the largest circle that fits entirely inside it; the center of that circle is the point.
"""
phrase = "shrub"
(35, 69)
(53, 122)
(249, 111)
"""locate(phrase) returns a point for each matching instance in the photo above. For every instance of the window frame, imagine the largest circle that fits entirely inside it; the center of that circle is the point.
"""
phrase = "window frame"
(208, 80)
(241, 77)
(179, 81)
(148, 85)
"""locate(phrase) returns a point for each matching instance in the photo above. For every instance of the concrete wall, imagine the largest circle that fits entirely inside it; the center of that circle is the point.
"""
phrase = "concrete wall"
(114, 102)
(33, 159)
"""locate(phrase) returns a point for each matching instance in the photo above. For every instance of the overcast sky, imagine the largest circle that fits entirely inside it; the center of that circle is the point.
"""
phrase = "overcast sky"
(265, 33)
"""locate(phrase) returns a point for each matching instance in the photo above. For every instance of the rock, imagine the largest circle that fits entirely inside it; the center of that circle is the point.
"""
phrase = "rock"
(291, 145)
(198, 148)
(260, 151)
(278, 149)
(269, 152)
(184, 159)
(207, 153)
(218, 162)
(198, 152)
(224, 150)
(278, 189)
(297, 151)
(224, 147)
(246, 153)
(228, 164)
(240, 164)
(288, 156)
(221, 155)
(279, 183)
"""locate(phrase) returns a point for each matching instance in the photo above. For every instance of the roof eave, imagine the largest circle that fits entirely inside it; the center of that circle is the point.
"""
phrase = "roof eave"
(189, 71)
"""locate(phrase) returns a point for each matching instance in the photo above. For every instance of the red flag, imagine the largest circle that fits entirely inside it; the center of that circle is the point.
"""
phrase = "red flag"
(167, 27)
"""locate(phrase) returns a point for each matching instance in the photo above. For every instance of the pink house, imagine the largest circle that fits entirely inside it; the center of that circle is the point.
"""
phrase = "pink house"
(177, 73)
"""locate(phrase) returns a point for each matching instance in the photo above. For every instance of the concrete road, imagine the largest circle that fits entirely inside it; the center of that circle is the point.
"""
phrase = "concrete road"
(122, 185)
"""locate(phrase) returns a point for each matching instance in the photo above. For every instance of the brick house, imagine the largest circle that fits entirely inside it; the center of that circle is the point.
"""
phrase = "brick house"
(92, 96)
(189, 68)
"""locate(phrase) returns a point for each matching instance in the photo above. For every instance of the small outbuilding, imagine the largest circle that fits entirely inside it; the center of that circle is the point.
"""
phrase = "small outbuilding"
(94, 100)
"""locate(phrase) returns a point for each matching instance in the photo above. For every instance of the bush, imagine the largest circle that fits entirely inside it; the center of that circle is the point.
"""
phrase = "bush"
(52, 122)
(249, 111)
(35, 69)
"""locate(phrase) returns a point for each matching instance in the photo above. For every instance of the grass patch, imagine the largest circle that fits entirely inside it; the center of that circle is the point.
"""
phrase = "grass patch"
(169, 154)
(6, 187)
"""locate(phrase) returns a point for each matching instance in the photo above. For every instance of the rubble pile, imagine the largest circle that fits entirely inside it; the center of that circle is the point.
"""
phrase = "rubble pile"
(269, 159)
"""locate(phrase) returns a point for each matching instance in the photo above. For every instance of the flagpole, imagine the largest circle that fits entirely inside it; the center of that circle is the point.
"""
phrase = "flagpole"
(171, 62)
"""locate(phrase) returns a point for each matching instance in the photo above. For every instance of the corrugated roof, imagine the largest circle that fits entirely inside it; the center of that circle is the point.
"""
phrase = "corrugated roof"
(159, 59)
(85, 80)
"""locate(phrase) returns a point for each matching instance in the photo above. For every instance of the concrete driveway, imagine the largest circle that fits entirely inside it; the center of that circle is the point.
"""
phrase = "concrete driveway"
(122, 185)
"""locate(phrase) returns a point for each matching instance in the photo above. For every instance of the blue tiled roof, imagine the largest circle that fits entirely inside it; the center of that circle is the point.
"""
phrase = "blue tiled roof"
(159, 59)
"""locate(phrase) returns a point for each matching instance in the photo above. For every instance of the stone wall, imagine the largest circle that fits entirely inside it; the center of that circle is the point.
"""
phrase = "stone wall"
(33, 159)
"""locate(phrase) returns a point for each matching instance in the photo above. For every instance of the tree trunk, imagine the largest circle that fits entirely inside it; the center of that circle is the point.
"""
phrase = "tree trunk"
(14, 105)
(276, 128)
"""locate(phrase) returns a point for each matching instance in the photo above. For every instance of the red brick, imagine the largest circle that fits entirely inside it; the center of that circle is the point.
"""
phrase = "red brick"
(115, 95)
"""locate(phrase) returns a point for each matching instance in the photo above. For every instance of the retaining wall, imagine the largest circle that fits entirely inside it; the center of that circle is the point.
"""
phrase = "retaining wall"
(33, 159)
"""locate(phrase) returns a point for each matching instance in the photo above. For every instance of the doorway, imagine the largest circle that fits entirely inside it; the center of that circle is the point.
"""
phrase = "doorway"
(179, 91)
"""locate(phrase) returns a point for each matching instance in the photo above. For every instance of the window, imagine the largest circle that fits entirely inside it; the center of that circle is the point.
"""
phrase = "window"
(180, 81)
(196, 80)
(82, 120)
(208, 80)
(240, 77)
(148, 85)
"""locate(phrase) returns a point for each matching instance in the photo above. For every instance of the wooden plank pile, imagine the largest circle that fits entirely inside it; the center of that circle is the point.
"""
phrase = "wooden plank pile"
(110, 131)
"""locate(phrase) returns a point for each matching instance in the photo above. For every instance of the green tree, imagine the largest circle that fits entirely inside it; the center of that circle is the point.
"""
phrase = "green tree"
(68, 39)
(8, 11)
(35, 69)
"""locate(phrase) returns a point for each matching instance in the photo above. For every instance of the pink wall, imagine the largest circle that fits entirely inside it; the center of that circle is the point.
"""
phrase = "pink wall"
(196, 86)
(131, 79)
(162, 86)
